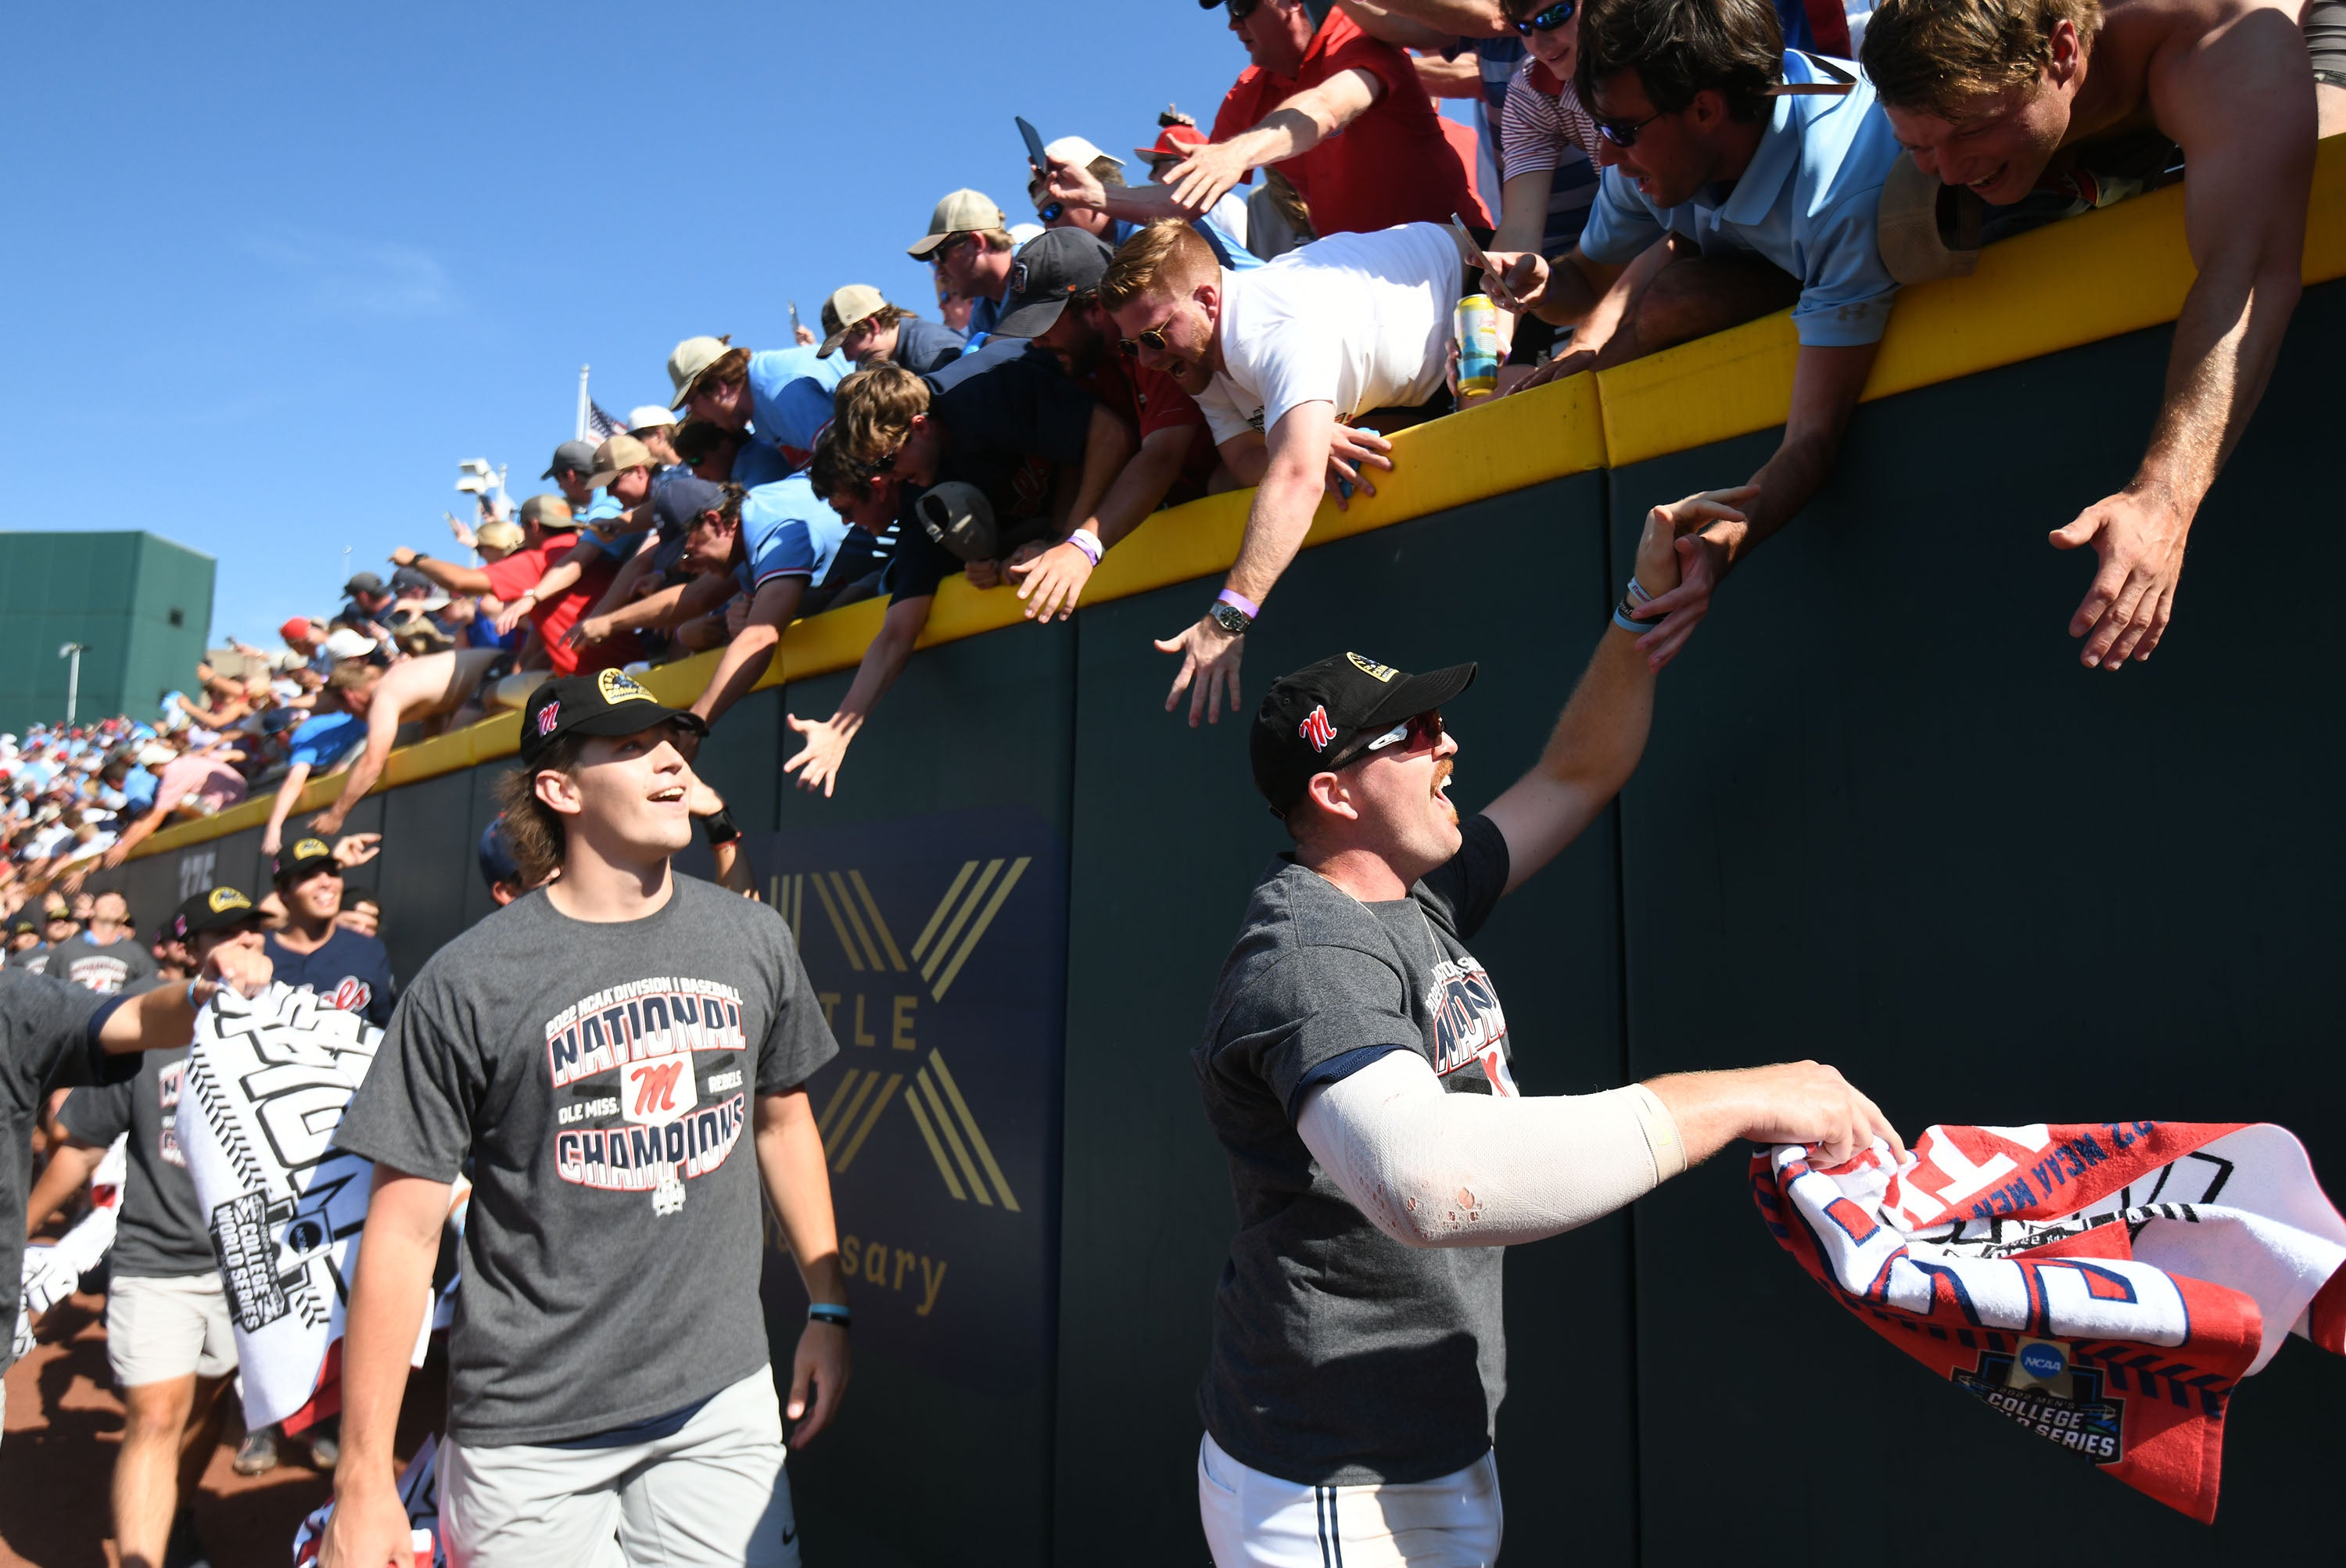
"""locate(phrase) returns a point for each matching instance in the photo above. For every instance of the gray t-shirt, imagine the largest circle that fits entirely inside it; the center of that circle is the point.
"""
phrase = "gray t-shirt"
(160, 1231)
(1341, 1358)
(596, 1082)
(49, 1037)
(118, 969)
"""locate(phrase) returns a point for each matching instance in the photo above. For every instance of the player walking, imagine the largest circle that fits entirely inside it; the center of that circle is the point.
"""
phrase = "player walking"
(592, 1053)
(1356, 1068)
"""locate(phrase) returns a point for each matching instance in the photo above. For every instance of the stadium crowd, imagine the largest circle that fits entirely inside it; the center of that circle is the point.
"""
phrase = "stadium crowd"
(1666, 168)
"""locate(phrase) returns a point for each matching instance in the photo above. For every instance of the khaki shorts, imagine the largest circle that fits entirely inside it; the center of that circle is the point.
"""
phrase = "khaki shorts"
(157, 1329)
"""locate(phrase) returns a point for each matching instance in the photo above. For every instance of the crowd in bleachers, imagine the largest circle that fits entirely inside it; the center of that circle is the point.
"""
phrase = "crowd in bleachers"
(1276, 297)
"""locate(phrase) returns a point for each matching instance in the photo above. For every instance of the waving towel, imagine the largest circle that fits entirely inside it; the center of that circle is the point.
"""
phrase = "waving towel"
(51, 1272)
(2104, 1285)
(267, 1080)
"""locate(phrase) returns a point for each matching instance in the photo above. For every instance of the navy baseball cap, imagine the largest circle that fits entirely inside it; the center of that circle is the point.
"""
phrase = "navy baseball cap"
(497, 861)
(678, 503)
(1315, 721)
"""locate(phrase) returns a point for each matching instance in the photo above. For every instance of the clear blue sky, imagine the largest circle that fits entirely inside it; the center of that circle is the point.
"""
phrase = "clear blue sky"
(273, 270)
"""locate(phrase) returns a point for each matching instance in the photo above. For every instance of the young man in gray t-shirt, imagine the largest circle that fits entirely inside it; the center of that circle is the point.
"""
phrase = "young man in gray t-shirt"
(1356, 1068)
(617, 1060)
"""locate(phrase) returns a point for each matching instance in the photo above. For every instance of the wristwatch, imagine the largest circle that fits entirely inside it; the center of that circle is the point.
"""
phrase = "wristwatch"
(1230, 619)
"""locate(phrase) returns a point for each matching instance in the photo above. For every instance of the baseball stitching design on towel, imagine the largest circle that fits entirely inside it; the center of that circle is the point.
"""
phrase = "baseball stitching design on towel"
(266, 1084)
(2105, 1284)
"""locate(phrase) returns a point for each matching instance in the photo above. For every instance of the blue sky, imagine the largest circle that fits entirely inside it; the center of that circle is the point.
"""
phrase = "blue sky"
(273, 271)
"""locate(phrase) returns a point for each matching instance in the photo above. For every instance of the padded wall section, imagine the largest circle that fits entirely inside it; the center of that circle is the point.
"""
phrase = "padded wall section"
(1169, 838)
(428, 846)
(929, 896)
(1888, 821)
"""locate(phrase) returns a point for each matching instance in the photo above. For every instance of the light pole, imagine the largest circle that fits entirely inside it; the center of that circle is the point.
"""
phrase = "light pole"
(72, 653)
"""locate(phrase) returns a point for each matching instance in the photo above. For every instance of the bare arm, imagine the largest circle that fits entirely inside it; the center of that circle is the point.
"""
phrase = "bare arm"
(369, 1527)
(1426, 24)
(2244, 215)
(1284, 501)
(1602, 733)
(668, 607)
(1825, 386)
(1291, 130)
(159, 1019)
(68, 1171)
(1458, 79)
(818, 764)
(272, 837)
(798, 1184)
(745, 658)
(138, 832)
(457, 579)
(623, 586)
(1052, 582)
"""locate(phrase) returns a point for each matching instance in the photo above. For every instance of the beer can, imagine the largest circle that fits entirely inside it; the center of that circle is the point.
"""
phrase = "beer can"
(1478, 347)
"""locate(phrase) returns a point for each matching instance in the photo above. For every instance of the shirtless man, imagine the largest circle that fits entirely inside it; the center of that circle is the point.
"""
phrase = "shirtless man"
(1989, 94)
(429, 687)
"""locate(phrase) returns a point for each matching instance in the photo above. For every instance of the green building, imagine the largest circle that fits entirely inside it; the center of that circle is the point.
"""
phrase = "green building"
(140, 604)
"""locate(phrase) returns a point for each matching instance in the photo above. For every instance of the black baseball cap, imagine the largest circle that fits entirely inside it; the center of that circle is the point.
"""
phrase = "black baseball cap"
(364, 583)
(221, 909)
(1050, 268)
(606, 703)
(26, 926)
(1314, 720)
(576, 456)
(297, 863)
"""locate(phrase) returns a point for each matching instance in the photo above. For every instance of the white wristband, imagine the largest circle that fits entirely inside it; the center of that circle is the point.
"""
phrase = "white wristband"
(1087, 541)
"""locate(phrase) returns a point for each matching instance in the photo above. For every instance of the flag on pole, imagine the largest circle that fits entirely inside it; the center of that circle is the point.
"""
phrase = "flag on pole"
(601, 425)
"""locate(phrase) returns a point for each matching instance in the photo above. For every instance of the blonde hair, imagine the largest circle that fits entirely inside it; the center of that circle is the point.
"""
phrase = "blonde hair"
(872, 412)
(1168, 255)
(1936, 55)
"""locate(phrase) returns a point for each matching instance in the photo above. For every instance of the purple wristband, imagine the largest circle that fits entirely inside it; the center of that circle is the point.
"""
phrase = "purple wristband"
(1233, 597)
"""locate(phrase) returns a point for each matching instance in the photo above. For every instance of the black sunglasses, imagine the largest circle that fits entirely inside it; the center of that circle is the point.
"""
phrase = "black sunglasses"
(1418, 730)
(1547, 21)
(1241, 9)
(1152, 339)
(1838, 83)
(1624, 133)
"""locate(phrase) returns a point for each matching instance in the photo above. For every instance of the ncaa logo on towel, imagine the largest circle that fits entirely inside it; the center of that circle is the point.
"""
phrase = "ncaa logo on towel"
(2042, 1362)
(1316, 729)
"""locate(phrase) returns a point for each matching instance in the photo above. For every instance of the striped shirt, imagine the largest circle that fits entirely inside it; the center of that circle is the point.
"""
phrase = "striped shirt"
(1546, 128)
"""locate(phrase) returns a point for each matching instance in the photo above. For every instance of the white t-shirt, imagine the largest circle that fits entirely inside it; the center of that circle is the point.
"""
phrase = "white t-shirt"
(1360, 320)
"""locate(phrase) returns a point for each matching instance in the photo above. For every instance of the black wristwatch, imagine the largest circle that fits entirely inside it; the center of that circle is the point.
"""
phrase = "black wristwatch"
(1230, 619)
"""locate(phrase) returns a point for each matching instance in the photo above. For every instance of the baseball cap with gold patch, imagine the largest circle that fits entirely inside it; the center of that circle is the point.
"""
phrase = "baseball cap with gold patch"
(220, 909)
(607, 702)
(298, 862)
(961, 212)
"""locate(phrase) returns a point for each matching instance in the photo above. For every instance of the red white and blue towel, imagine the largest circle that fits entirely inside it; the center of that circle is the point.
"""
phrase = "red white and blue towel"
(2105, 1284)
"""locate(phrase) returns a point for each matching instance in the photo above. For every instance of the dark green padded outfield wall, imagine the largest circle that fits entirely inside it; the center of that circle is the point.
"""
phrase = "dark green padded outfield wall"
(1884, 820)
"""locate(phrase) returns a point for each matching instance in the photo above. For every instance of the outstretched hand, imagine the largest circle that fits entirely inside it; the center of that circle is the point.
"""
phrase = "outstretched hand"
(1688, 546)
(2140, 539)
(1210, 658)
(1519, 279)
(1075, 186)
(1352, 451)
(826, 747)
(1050, 584)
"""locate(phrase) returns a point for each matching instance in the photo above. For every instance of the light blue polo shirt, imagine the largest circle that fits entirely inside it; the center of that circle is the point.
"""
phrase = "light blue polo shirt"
(787, 531)
(789, 394)
(1808, 203)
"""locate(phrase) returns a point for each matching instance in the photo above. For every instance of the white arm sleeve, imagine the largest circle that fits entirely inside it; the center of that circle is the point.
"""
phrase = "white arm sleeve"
(1430, 1169)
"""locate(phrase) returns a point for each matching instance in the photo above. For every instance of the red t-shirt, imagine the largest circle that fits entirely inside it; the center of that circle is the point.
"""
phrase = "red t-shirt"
(519, 573)
(1395, 164)
(1153, 401)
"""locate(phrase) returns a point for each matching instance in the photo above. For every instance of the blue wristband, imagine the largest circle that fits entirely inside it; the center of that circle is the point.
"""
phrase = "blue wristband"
(1626, 625)
(825, 1312)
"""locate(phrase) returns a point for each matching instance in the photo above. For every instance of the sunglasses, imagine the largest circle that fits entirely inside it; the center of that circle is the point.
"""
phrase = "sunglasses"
(1549, 20)
(1839, 83)
(1151, 337)
(1052, 212)
(1241, 9)
(1420, 732)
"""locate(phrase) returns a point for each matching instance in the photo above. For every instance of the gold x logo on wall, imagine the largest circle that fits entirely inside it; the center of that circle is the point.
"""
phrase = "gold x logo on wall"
(953, 932)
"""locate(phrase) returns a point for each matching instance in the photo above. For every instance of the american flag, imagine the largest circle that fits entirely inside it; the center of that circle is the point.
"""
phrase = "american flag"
(603, 426)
